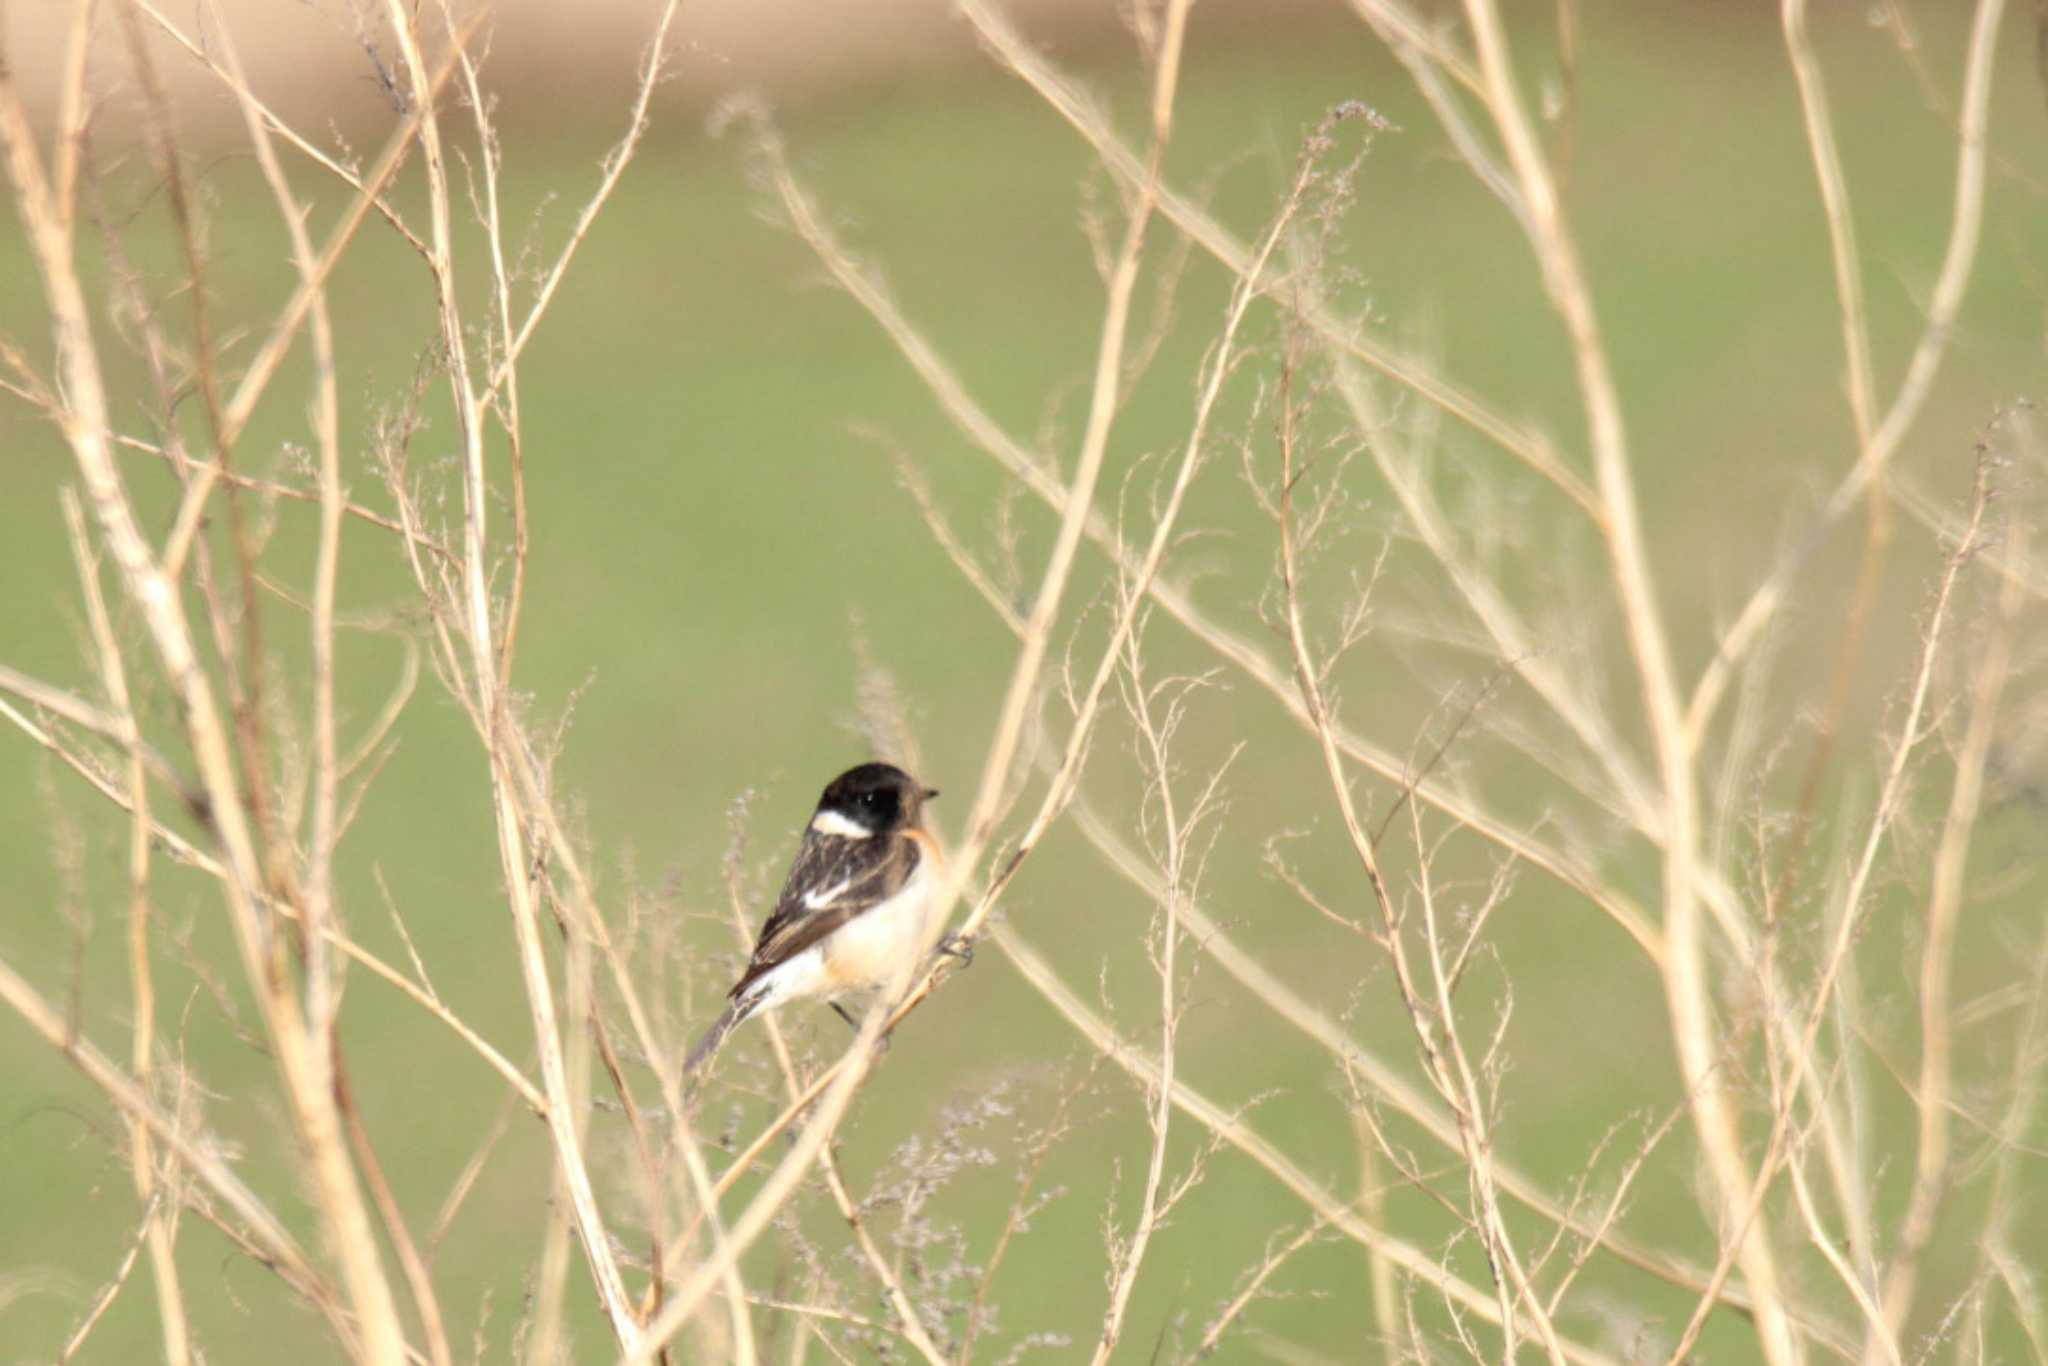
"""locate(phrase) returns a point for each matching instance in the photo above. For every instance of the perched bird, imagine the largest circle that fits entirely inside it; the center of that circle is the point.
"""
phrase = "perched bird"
(854, 907)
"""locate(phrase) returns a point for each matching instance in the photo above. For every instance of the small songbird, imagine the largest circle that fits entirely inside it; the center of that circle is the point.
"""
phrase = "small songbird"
(854, 907)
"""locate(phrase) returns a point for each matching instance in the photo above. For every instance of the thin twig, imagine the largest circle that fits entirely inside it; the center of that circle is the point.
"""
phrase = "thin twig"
(154, 592)
(1990, 677)
(1231, 1128)
(159, 1222)
(490, 697)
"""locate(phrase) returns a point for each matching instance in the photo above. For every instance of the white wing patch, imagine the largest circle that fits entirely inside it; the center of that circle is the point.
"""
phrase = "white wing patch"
(819, 900)
(843, 827)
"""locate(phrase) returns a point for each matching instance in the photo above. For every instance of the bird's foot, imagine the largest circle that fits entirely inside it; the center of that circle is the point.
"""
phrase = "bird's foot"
(960, 946)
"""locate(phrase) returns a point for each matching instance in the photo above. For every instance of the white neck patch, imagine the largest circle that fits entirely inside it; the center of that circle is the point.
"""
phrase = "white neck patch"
(843, 827)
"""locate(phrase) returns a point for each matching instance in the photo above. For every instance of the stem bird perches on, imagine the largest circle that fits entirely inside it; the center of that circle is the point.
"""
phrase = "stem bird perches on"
(835, 1088)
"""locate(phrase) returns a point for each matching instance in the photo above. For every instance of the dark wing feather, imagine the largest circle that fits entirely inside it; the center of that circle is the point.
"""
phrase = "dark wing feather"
(865, 872)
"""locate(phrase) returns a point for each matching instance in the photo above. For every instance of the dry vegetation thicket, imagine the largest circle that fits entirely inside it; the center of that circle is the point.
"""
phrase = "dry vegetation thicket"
(1723, 818)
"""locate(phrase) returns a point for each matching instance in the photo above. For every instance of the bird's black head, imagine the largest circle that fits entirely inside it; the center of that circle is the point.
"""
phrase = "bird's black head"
(879, 799)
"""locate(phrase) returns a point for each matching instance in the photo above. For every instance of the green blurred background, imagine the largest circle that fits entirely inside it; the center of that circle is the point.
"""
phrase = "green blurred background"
(720, 539)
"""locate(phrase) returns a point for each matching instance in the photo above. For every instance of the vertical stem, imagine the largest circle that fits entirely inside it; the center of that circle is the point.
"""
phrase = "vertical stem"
(1686, 979)
(83, 419)
(1932, 1095)
(498, 733)
(160, 1233)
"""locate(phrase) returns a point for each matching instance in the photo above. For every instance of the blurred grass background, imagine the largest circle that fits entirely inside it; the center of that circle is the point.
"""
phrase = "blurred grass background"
(718, 536)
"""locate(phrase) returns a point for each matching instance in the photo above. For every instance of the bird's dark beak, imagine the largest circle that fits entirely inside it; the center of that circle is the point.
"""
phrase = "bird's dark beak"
(930, 793)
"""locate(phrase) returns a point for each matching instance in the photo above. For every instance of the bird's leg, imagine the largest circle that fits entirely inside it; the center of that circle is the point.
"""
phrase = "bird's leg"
(960, 946)
(853, 1023)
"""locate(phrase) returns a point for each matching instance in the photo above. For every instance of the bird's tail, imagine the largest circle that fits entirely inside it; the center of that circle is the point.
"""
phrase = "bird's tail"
(735, 1012)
